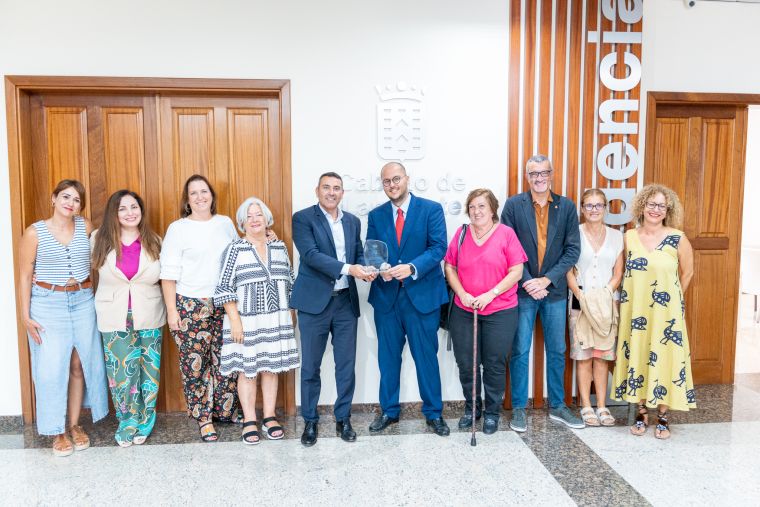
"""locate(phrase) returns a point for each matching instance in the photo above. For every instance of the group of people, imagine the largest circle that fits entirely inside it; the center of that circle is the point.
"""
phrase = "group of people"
(232, 303)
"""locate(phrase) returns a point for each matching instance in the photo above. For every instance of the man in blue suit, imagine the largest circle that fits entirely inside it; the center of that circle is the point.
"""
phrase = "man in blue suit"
(408, 298)
(331, 257)
(547, 226)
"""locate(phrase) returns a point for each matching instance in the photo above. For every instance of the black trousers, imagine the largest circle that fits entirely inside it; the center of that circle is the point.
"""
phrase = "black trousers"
(495, 335)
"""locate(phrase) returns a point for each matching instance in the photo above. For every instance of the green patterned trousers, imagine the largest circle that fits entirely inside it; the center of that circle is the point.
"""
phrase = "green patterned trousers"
(133, 359)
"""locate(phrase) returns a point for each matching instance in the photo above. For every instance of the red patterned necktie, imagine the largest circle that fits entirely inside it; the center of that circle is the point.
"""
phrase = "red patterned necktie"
(399, 225)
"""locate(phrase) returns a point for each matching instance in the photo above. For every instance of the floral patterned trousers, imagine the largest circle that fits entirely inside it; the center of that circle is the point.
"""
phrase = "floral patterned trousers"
(208, 393)
(133, 359)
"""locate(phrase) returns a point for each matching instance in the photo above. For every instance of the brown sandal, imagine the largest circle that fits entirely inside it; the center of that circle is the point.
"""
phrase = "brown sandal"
(642, 421)
(80, 438)
(662, 430)
(62, 446)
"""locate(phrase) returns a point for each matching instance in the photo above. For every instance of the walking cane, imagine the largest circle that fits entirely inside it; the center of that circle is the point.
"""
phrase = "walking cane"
(474, 370)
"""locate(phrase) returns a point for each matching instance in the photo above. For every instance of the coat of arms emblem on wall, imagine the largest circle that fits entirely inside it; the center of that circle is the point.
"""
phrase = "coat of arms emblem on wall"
(400, 122)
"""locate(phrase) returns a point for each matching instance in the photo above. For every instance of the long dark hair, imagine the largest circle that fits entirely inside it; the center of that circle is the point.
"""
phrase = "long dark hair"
(108, 237)
(185, 205)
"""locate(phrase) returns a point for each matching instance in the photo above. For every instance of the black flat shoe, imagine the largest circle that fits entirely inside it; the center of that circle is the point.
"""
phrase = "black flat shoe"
(465, 422)
(490, 425)
(439, 426)
(381, 422)
(309, 436)
(345, 431)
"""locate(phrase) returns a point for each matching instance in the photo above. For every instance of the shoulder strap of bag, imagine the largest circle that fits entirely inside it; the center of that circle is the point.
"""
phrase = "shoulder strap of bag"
(460, 241)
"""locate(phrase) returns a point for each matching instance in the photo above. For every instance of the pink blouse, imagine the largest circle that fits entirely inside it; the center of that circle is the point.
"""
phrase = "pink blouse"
(482, 267)
(129, 262)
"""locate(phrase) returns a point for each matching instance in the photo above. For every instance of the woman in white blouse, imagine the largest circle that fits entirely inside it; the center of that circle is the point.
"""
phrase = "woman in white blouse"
(190, 258)
(600, 264)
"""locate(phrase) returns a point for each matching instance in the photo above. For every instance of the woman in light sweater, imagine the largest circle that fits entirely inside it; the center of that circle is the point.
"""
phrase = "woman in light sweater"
(599, 265)
(190, 260)
(130, 312)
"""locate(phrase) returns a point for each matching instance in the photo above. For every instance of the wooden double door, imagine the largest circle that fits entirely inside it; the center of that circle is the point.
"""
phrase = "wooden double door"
(150, 141)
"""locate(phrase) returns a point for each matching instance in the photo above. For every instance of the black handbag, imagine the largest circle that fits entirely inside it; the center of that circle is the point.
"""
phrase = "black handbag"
(443, 323)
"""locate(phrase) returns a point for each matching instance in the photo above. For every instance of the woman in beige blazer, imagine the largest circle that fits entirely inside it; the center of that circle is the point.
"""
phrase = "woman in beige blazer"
(130, 312)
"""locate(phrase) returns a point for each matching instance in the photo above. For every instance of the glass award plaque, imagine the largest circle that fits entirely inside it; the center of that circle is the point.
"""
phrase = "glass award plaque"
(376, 255)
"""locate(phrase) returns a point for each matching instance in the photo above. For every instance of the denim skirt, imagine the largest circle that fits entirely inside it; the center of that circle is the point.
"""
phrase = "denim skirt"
(68, 322)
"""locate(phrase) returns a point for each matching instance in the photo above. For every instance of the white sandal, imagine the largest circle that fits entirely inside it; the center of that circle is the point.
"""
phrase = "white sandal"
(589, 417)
(605, 417)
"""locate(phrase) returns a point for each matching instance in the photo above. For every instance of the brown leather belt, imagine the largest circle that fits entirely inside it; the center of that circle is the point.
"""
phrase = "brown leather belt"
(66, 288)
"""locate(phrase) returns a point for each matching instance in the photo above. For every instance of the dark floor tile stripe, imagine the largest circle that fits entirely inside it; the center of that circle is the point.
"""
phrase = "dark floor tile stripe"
(585, 476)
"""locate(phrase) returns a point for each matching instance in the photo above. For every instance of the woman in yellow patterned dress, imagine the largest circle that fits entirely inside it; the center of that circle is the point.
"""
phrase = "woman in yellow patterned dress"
(653, 366)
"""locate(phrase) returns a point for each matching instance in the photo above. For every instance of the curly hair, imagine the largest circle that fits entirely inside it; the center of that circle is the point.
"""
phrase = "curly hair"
(673, 216)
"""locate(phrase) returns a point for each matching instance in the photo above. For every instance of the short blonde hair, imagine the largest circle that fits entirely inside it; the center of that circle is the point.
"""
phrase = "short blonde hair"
(242, 212)
(674, 213)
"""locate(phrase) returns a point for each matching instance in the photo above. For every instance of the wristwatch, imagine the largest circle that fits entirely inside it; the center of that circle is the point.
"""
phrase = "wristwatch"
(412, 269)
(496, 291)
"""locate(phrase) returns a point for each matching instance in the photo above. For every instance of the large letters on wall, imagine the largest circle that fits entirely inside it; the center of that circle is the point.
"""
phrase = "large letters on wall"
(574, 83)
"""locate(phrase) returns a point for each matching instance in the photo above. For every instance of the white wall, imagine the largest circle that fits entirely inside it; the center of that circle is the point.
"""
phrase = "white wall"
(751, 232)
(334, 52)
(707, 48)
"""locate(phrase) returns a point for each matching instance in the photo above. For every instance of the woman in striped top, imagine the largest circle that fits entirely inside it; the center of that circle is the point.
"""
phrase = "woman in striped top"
(59, 314)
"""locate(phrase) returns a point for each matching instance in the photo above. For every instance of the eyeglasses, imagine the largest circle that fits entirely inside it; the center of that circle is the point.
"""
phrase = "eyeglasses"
(657, 206)
(542, 174)
(393, 181)
(591, 207)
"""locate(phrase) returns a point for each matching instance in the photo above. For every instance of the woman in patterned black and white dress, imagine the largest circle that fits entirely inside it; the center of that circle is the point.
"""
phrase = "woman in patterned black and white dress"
(258, 331)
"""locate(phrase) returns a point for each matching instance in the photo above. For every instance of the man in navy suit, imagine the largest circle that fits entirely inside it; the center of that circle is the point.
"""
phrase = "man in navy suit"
(547, 226)
(331, 257)
(408, 298)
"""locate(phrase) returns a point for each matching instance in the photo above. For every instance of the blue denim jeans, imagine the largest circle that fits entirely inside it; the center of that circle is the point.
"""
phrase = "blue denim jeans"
(68, 322)
(553, 314)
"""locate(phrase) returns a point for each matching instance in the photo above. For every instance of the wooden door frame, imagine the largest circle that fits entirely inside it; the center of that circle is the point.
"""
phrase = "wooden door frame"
(745, 100)
(17, 92)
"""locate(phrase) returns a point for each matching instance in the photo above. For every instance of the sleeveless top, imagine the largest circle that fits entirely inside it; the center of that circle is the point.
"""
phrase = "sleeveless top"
(57, 263)
(595, 268)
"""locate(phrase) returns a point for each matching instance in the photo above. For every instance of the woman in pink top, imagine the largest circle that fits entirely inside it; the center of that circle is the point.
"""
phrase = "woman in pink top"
(130, 312)
(483, 273)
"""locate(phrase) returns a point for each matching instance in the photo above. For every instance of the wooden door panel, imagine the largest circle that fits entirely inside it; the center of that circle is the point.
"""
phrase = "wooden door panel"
(706, 305)
(124, 148)
(192, 142)
(66, 144)
(672, 133)
(698, 152)
(247, 137)
(714, 194)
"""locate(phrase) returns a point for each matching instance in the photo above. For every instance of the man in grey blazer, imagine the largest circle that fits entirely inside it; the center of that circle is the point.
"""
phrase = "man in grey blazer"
(547, 226)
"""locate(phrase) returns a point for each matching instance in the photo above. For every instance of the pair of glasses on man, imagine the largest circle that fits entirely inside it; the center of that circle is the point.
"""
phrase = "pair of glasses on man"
(392, 181)
(656, 205)
(594, 207)
(539, 174)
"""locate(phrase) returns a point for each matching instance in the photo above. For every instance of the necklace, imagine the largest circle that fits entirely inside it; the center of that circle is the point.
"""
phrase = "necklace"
(596, 240)
(480, 236)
